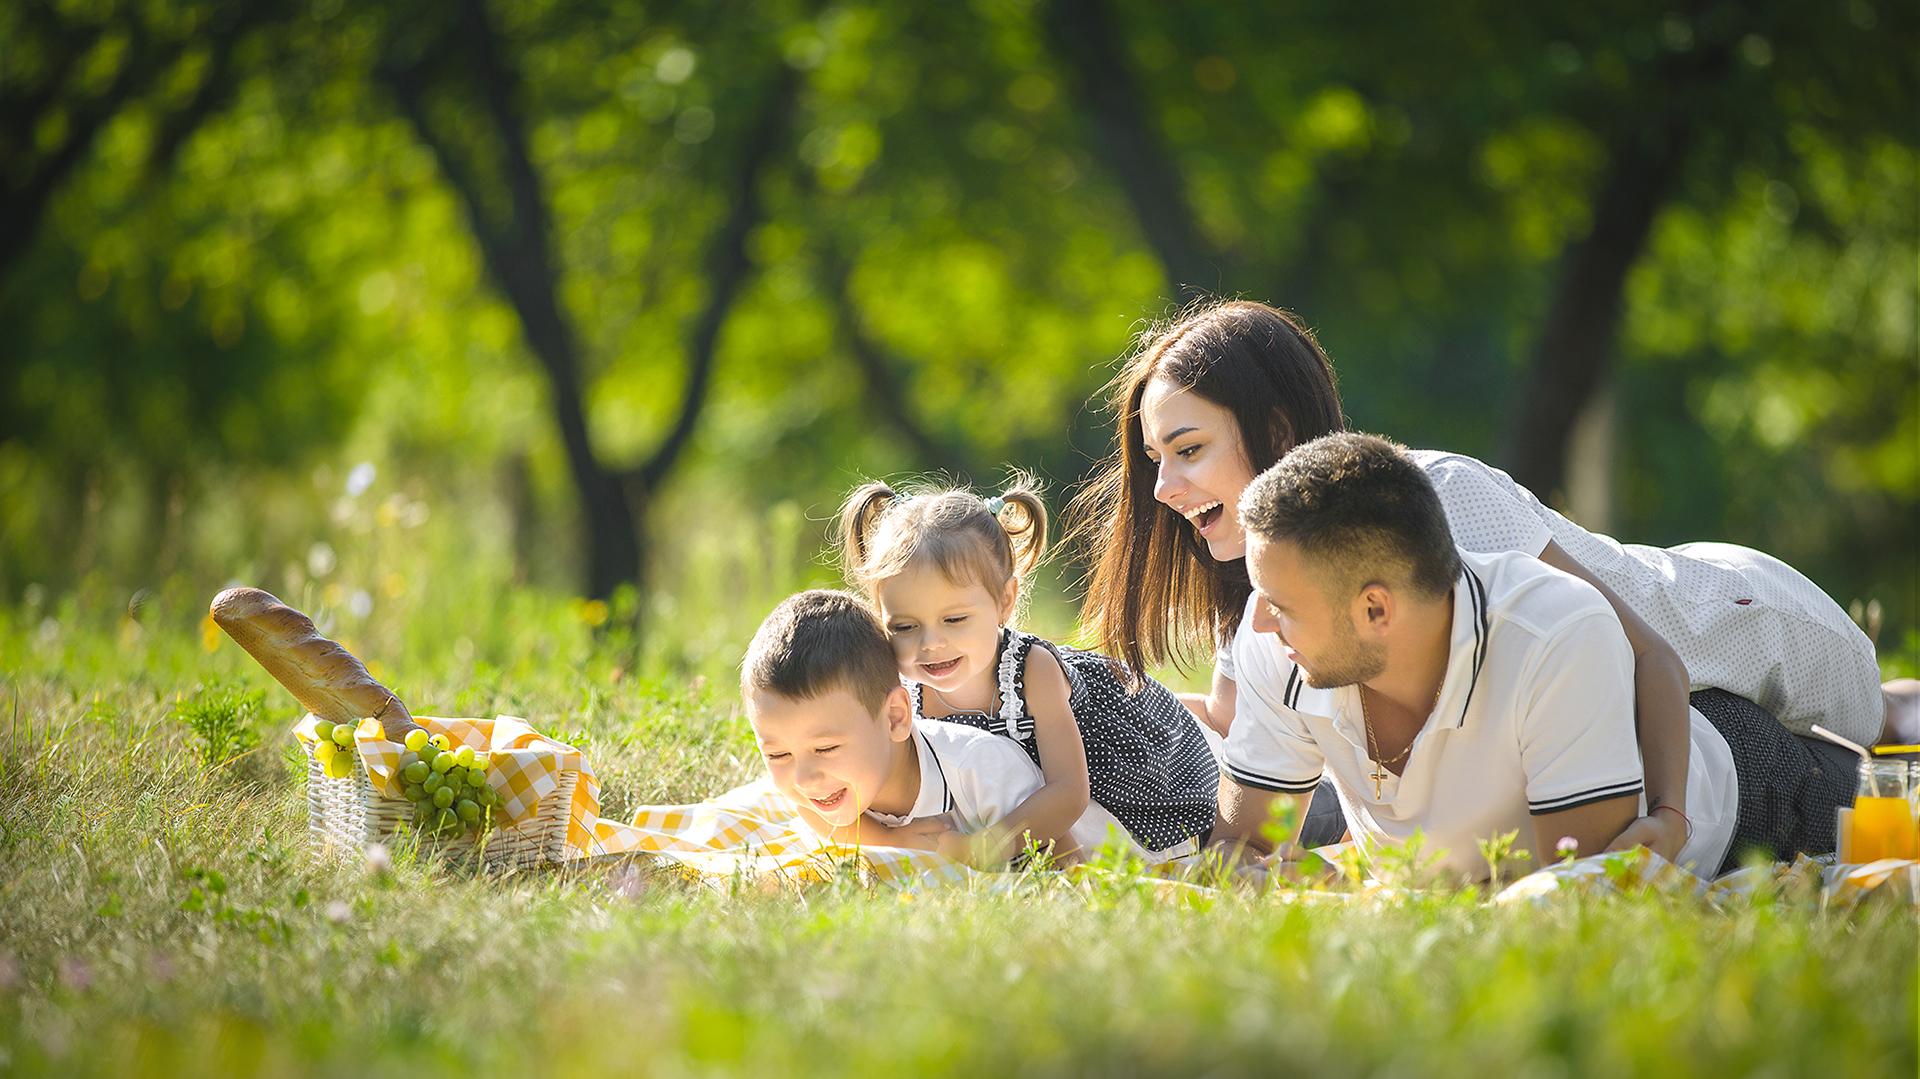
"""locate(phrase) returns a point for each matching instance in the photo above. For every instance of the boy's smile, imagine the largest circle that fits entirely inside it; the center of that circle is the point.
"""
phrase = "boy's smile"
(832, 755)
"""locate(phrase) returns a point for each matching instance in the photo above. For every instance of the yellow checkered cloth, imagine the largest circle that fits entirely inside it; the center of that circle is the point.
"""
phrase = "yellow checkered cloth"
(754, 833)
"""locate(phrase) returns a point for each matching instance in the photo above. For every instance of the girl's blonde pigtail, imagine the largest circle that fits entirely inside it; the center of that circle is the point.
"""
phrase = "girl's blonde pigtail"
(859, 515)
(1024, 518)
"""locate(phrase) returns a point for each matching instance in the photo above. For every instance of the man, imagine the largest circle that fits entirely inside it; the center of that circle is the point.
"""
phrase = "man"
(1462, 695)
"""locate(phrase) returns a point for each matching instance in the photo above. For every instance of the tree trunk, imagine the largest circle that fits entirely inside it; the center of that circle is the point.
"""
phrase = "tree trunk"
(1081, 34)
(518, 253)
(1575, 347)
(1583, 320)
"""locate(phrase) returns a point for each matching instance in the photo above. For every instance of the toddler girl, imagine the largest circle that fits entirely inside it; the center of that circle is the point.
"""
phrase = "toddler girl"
(944, 569)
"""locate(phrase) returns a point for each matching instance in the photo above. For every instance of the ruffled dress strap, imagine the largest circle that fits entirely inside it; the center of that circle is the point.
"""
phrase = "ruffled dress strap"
(1015, 721)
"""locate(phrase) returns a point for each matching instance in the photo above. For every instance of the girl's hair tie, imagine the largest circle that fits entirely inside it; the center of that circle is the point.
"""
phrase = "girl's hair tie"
(995, 505)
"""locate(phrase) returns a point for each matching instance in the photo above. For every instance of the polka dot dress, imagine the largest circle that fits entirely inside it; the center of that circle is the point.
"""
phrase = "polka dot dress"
(1148, 763)
(1741, 620)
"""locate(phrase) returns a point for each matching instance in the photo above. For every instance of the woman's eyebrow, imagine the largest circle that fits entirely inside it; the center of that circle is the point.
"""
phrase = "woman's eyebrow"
(1176, 433)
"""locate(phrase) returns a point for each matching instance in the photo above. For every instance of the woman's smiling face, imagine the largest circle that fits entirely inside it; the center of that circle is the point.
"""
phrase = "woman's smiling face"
(1202, 464)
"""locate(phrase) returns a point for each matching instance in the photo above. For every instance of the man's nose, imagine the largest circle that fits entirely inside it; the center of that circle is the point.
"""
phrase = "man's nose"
(1264, 620)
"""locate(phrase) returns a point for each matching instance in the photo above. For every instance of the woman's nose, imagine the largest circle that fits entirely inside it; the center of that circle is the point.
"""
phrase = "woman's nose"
(1165, 483)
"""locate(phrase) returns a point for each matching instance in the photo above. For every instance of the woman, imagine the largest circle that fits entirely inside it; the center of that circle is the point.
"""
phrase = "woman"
(1223, 392)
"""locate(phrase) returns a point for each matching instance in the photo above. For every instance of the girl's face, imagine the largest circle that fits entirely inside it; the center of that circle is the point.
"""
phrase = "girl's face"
(944, 634)
(1202, 464)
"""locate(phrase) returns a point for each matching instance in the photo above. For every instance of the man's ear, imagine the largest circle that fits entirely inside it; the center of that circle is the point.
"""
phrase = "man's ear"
(1009, 596)
(897, 711)
(1375, 609)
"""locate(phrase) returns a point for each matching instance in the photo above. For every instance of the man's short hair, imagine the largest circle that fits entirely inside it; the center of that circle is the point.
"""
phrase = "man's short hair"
(817, 641)
(1357, 505)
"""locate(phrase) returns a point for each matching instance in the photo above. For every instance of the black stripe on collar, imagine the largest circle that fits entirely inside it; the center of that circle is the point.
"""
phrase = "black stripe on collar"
(1291, 695)
(1477, 592)
(946, 788)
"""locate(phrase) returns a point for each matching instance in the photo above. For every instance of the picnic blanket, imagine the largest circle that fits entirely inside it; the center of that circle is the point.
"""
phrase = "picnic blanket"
(753, 833)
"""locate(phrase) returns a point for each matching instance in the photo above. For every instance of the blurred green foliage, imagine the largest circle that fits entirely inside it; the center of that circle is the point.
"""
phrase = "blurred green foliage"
(254, 276)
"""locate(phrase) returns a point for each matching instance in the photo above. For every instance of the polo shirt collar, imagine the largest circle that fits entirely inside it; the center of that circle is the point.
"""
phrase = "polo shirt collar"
(1471, 628)
(935, 796)
(1467, 650)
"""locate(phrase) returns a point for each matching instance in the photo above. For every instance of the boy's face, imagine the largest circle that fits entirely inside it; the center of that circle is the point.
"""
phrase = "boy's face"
(829, 753)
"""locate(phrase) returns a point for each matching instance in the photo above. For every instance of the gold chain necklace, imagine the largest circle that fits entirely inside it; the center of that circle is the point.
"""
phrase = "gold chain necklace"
(1379, 772)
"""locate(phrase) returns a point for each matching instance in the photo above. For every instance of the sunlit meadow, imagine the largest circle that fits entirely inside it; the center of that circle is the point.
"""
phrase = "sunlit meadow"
(160, 912)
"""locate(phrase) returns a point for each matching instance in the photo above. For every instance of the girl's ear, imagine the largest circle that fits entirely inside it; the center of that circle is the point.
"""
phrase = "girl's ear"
(1009, 596)
(897, 710)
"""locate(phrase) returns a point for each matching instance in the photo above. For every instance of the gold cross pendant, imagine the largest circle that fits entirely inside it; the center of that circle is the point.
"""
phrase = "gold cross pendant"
(1377, 775)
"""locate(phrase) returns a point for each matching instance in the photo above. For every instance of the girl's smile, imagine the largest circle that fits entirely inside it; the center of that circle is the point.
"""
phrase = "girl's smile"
(945, 634)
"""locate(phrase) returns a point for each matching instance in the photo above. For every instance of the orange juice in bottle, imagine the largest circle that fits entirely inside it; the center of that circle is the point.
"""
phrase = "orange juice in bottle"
(1883, 819)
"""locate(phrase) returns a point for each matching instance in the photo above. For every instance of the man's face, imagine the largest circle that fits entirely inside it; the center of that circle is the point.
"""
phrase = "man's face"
(829, 753)
(1316, 629)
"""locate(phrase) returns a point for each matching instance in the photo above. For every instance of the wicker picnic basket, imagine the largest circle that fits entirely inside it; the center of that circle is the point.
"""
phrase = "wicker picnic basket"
(346, 814)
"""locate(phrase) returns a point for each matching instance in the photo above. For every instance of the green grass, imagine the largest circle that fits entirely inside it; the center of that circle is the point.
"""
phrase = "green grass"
(159, 913)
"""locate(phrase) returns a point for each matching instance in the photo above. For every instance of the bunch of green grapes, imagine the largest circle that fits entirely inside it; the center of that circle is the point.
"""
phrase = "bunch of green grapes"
(334, 750)
(448, 787)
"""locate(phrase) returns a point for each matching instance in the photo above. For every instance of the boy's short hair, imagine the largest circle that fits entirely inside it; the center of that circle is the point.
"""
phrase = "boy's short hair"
(817, 641)
(1355, 504)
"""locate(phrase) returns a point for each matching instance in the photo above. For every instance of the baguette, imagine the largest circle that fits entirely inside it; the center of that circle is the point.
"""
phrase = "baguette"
(324, 677)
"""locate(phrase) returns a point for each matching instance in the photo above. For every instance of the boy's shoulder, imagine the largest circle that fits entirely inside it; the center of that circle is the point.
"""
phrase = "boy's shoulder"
(970, 748)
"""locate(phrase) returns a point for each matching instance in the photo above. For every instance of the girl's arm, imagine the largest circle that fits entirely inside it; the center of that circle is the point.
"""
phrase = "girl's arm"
(1048, 814)
(1661, 722)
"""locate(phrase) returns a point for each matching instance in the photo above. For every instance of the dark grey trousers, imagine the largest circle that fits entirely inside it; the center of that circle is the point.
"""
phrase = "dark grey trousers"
(1789, 785)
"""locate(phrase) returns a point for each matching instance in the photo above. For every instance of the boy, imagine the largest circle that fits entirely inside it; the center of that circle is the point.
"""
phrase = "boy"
(836, 729)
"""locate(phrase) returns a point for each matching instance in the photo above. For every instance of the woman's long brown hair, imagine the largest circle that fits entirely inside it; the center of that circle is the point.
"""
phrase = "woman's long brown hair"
(1154, 593)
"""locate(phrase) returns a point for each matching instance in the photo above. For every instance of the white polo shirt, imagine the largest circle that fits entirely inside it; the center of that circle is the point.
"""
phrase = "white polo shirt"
(1535, 715)
(979, 778)
(1740, 620)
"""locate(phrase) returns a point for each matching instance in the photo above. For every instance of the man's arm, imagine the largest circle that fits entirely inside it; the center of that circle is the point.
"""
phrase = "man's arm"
(1661, 723)
(1591, 826)
(1240, 821)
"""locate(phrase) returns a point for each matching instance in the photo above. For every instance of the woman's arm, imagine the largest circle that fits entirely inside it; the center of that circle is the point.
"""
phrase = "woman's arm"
(1048, 814)
(1661, 723)
(1215, 708)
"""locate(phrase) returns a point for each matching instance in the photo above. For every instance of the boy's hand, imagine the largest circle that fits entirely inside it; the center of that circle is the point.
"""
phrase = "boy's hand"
(925, 833)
